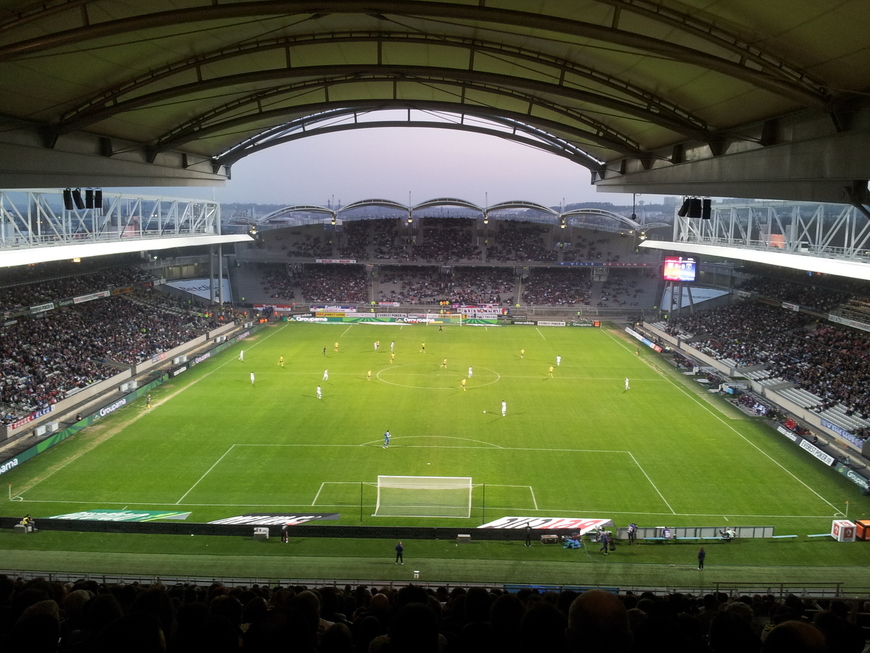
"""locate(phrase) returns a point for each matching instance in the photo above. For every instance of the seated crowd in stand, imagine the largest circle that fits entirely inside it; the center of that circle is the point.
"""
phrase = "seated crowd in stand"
(520, 241)
(627, 289)
(334, 284)
(831, 361)
(420, 285)
(279, 283)
(409, 284)
(444, 240)
(45, 359)
(21, 294)
(39, 616)
(558, 287)
(450, 240)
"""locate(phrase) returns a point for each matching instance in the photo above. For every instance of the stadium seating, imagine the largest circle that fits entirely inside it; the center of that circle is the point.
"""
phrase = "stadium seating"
(87, 615)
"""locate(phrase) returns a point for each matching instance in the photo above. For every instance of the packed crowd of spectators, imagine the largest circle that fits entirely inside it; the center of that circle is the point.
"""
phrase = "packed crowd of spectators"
(444, 240)
(388, 242)
(45, 360)
(831, 361)
(471, 285)
(279, 284)
(334, 283)
(520, 241)
(17, 293)
(605, 249)
(795, 290)
(558, 287)
(355, 236)
(39, 616)
(298, 243)
(627, 288)
(412, 284)
(450, 240)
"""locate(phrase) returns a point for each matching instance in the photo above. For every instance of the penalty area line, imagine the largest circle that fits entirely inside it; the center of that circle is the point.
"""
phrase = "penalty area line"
(204, 475)
(642, 471)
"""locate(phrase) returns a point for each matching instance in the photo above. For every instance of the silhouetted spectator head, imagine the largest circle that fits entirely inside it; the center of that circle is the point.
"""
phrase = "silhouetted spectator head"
(841, 636)
(542, 628)
(795, 637)
(598, 619)
(337, 639)
(138, 632)
(414, 629)
(37, 630)
(730, 632)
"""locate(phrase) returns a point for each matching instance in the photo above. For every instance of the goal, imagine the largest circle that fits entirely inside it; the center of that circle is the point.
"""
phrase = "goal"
(433, 319)
(423, 496)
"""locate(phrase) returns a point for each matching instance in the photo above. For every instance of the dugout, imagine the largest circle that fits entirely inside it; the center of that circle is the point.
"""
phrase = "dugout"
(696, 533)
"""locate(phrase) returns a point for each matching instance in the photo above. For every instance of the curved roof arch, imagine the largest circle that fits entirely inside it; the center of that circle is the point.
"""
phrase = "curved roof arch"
(521, 204)
(519, 133)
(650, 95)
(387, 204)
(447, 201)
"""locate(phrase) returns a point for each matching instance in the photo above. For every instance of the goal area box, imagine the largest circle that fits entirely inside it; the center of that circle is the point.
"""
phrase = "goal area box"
(423, 496)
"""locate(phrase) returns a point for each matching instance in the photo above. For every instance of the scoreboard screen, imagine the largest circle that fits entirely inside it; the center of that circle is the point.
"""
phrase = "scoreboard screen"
(679, 268)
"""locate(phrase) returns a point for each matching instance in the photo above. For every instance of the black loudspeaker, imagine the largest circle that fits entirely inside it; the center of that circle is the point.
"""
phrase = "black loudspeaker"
(98, 199)
(67, 200)
(89, 199)
(684, 209)
(77, 198)
(705, 209)
(695, 207)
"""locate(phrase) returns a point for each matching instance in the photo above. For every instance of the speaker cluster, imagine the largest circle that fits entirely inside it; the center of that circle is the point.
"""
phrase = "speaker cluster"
(90, 198)
(695, 207)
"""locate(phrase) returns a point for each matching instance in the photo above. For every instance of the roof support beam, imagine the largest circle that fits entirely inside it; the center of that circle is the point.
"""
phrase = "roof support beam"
(766, 78)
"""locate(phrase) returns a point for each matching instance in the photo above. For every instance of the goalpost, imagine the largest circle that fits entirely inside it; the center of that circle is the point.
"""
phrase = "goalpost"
(443, 318)
(423, 496)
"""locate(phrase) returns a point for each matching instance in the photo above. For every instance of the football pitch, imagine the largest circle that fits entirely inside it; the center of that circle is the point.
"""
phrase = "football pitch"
(575, 444)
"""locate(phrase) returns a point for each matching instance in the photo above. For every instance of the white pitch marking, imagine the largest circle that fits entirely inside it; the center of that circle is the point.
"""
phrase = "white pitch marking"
(318, 493)
(718, 417)
(346, 330)
(204, 475)
(539, 332)
(567, 513)
(642, 471)
(534, 500)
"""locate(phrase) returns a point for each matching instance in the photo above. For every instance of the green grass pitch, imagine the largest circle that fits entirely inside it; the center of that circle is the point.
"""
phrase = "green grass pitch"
(664, 452)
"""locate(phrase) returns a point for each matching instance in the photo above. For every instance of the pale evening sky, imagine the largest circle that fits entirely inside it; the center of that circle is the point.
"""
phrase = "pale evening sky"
(388, 163)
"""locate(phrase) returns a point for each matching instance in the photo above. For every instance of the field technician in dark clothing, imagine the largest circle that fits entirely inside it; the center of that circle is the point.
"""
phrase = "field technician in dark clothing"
(399, 551)
(701, 556)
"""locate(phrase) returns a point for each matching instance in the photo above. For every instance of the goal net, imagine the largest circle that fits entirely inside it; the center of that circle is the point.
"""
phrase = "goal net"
(423, 496)
(440, 319)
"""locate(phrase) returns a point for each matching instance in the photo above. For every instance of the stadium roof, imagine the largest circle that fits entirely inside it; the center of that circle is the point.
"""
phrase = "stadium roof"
(739, 98)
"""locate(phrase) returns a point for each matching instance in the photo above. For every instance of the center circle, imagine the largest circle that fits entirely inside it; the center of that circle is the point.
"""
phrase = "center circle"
(430, 376)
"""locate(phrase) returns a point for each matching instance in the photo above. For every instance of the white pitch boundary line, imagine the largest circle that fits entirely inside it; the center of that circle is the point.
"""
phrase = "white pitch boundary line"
(718, 417)
(346, 330)
(512, 508)
(491, 447)
(539, 332)
(140, 415)
(204, 475)
(534, 500)
(314, 501)
(643, 471)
